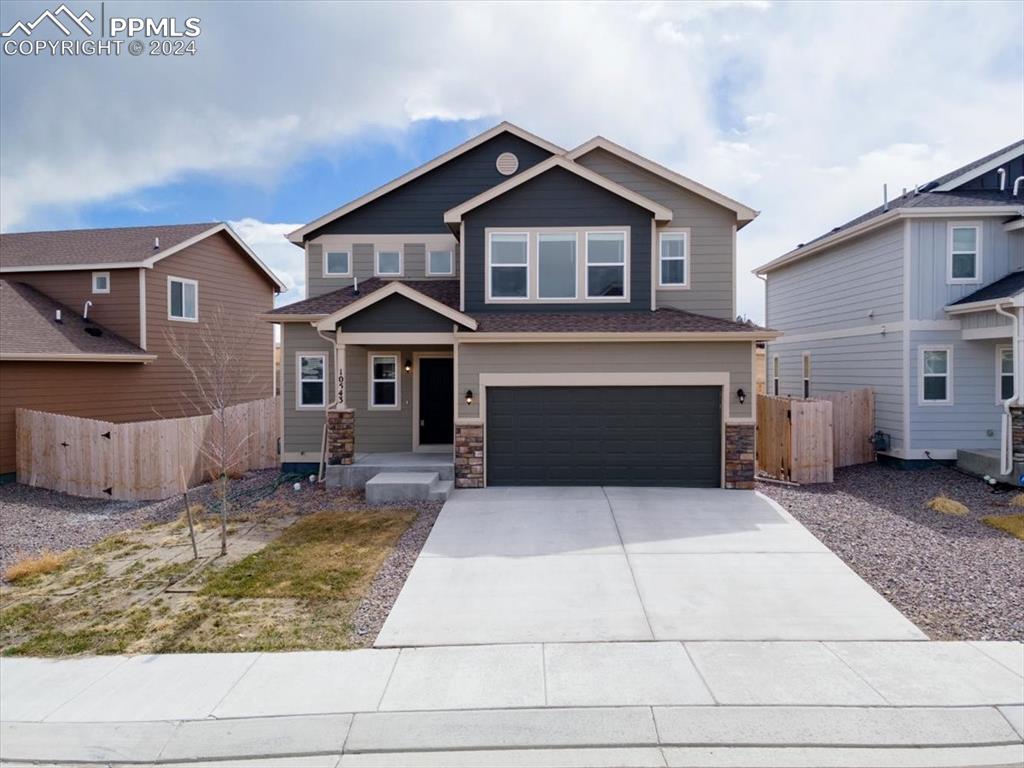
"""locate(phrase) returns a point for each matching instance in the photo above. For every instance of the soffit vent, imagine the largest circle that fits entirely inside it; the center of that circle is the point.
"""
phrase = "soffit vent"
(507, 164)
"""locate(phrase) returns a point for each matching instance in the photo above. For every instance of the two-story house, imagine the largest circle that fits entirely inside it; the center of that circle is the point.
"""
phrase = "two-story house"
(921, 300)
(86, 319)
(528, 316)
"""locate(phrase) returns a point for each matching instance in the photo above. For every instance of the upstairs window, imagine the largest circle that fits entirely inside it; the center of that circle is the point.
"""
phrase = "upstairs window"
(964, 262)
(935, 386)
(556, 265)
(388, 263)
(807, 375)
(775, 375)
(673, 251)
(509, 266)
(311, 387)
(338, 263)
(182, 299)
(101, 282)
(440, 263)
(606, 265)
(1004, 369)
(384, 381)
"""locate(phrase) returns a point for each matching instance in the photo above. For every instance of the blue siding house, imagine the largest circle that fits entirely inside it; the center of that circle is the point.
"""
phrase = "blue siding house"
(920, 299)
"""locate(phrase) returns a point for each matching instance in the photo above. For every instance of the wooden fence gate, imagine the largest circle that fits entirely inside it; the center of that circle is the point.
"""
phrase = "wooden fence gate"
(141, 460)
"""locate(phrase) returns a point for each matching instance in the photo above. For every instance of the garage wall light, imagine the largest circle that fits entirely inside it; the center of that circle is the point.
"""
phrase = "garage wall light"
(469, 397)
(408, 366)
(741, 395)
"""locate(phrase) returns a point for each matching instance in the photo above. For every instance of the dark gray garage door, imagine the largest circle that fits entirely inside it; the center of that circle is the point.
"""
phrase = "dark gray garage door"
(604, 436)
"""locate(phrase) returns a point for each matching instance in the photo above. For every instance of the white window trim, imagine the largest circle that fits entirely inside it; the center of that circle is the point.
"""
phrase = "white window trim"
(100, 274)
(451, 261)
(685, 232)
(976, 226)
(624, 299)
(805, 374)
(298, 381)
(576, 268)
(921, 376)
(370, 404)
(185, 281)
(776, 378)
(376, 262)
(1000, 348)
(489, 266)
(327, 272)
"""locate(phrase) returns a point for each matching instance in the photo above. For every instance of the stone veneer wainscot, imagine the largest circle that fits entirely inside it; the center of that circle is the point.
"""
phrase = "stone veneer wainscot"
(739, 456)
(469, 456)
(341, 436)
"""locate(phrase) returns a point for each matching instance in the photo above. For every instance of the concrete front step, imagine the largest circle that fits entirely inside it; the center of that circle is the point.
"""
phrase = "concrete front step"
(368, 466)
(388, 487)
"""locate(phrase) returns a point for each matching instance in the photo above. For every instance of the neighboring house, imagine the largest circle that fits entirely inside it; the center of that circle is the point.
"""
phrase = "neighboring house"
(904, 300)
(553, 317)
(134, 284)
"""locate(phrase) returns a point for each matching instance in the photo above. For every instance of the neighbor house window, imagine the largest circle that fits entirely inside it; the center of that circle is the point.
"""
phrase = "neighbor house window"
(338, 263)
(389, 263)
(182, 299)
(936, 365)
(775, 375)
(964, 253)
(1004, 372)
(508, 259)
(311, 386)
(807, 375)
(556, 266)
(384, 381)
(606, 265)
(440, 263)
(673, 249)
(101, 282)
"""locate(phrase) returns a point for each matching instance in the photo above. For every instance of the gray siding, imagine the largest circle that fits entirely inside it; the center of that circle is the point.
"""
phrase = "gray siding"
(839, 288)
(991, 319)
(303, 429)
(413, 266)
(396, 314)
(559, 198)
(1002, 252)
(838, 365)
(711, 265)
(596, 357)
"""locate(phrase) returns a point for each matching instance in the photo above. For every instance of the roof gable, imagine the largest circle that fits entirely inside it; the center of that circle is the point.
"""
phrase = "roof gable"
(961, 177)
(355, 303)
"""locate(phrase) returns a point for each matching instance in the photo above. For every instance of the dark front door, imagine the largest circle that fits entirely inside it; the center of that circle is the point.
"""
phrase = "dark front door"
(437, 386)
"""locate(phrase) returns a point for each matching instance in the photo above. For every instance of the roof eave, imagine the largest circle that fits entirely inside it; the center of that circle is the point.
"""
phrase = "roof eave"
(985, 305)
(76, 357)
(484, 336)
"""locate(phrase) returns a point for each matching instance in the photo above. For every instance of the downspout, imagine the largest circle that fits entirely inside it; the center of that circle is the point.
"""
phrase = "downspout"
(328, 406)
(1006, 437)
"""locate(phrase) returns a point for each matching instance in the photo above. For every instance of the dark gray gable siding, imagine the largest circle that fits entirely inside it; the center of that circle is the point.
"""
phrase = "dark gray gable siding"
(990, 181)
(559, 198)
(418, 206)
(396, 314)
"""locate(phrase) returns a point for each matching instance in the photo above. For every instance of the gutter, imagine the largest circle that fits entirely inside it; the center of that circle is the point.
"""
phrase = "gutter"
(71, 357)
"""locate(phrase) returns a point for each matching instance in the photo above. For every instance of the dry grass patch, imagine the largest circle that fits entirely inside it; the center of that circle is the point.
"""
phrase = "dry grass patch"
(1017, 500)
(947, 506)
(1011, 524)
(26, 566)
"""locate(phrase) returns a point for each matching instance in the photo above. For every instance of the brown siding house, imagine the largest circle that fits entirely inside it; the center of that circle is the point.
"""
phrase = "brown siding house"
(128, 372)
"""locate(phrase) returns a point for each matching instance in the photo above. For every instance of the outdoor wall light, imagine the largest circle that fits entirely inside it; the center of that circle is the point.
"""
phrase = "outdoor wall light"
(469, 397)
(408, 366)
(741, 395)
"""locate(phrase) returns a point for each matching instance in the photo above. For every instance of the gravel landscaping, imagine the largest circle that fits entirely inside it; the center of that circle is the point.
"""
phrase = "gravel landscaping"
(953, 576)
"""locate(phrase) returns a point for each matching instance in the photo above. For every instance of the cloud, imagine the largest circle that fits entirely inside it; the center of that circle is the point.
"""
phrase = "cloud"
(285, 259)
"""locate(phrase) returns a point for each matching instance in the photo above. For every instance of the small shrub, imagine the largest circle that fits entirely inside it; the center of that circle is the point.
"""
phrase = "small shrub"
(26, 566)
(947, 506)
(1011, 524)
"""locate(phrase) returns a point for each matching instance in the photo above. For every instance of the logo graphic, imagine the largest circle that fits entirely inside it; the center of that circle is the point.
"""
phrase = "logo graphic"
(54, 16)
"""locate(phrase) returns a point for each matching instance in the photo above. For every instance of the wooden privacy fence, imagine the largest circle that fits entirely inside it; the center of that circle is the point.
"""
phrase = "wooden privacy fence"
(804, 440)
(141, 460)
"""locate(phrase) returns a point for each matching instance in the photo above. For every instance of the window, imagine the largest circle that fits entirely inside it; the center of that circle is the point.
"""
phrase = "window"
(775, 375)
(556, 266)
(440, 263)
(807, 375)
(964, 253)
(1004, 373)
(182, 299)
(606, 265)
(338, 263)
(673, 248)
(311, 384)
(384, 381)
(509, 257)
(389, 263)
(101, 282)
(935, 385)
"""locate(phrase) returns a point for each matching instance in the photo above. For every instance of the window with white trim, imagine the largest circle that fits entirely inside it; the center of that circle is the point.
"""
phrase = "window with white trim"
(508, 266)
(311, 380)
(388, 263)
(807, 374)
(935, 377)
(606, 265)
(440, 263)
(964, 263)
(101, 282)
(556, 265)
(673, 252)
(182, 299)
(384, 381)
(338, 263)
(775, 375)
(1004, 373)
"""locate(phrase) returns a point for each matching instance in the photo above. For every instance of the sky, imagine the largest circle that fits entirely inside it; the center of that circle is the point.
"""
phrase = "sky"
(288, 110)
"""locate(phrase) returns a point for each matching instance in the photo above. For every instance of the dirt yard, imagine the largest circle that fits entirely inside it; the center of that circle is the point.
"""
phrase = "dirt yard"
(313, 569)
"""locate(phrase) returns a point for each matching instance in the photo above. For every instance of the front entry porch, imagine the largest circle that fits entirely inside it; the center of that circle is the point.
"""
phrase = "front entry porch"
(366, 466)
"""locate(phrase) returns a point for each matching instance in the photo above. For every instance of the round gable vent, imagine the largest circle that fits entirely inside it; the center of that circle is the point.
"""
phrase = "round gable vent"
(507, 163)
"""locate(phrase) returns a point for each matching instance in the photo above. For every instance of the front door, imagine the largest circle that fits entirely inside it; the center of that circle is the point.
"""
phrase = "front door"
(437, 414)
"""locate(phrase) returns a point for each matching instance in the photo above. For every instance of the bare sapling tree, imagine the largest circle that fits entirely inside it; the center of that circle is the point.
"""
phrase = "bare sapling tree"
(218, 357)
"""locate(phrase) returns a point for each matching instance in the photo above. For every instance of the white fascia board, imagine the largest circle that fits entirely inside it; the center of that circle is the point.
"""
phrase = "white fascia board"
(981, 306)
(72, 357)
(974, 173)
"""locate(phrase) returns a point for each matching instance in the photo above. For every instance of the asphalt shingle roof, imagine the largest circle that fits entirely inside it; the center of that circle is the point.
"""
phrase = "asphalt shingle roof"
(1003, 288)
(444, 291)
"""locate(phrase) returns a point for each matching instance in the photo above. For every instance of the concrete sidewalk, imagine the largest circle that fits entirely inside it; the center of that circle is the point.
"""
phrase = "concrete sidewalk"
(654, 703)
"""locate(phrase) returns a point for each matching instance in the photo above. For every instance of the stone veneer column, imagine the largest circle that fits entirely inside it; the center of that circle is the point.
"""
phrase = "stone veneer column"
(469, 456)
(739, 456)
(1017, 415)
(341, 436)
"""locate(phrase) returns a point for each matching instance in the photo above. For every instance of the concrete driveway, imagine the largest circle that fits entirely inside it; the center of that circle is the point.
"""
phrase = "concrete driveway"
(518, 565)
